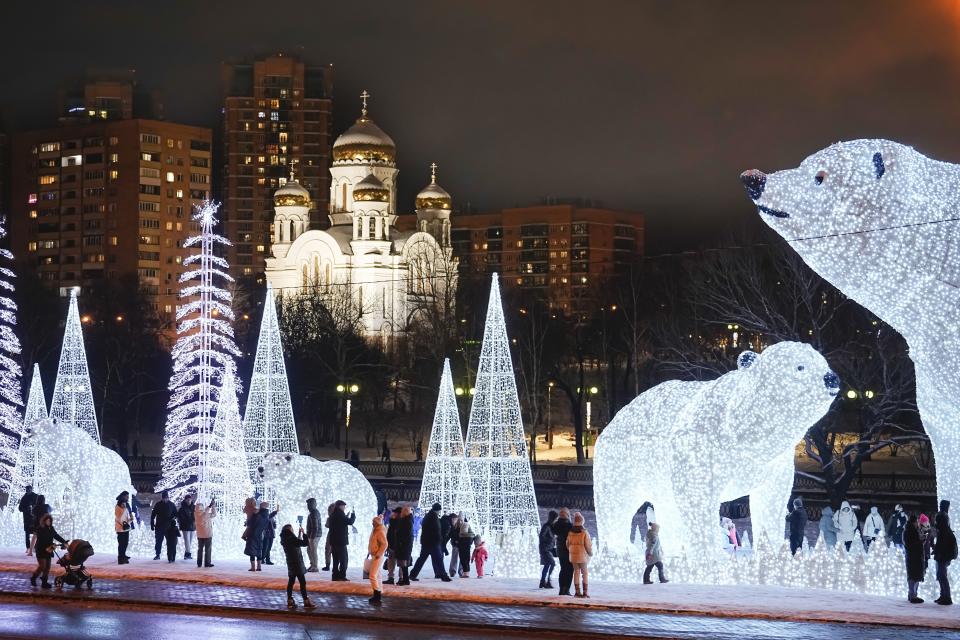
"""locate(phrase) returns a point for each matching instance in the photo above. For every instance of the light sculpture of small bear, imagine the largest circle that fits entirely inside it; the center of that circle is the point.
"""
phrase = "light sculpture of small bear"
(688, 446)
(881, 223)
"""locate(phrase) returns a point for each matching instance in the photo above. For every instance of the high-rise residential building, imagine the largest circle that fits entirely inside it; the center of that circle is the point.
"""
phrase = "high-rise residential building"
(106, 198)
(277, 122)
(109, 95)
(562, 251)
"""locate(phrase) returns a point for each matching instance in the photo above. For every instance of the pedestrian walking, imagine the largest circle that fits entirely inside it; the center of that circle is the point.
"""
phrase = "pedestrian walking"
(376, 548)
(256, 525)
(913, 556)
(828, 533)
(873, 527)
(479, 555)
(561, 528)
(339, 537)
(313, 534)
(384, 452)
(188, 526)
(403, 544)
(431, 546)
(122, 524)
(846, 524)
(27, 502)
(465, 545)
(391, 561)
(163, 523)
(269, 533)
(895, 526)
(548, 550)
(204, 517)
(43, 542)
(944, 552)
(292, 545)
(580, 549)
(654, 555)
(798, 523)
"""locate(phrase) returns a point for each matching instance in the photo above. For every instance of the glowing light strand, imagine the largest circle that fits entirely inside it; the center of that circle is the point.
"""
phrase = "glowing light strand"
(11, 425)
(72, 394)
(28, 470)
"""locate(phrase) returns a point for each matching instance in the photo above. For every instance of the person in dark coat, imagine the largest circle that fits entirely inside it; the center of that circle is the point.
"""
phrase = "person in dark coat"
(944, 552)
(25, 507)
(895, 525)
(40, 509)
(548, 550)
(913, 553)
(296, 571)
(313, 534)
(257, 524)
(163, 523)
(798, 523)
(403, 544)
(188, 526)
(339, 537)
(270, 533)
(43, 541)
(561, 528)
(392, 544)
(431, 545)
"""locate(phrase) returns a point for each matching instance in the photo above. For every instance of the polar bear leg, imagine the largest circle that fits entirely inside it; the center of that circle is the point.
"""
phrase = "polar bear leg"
(939, 421)
(768, 500)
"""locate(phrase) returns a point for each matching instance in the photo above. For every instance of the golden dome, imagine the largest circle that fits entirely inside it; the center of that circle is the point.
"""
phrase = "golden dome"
(371, 189)
(364, 141)
(291, 194)
(433, 196)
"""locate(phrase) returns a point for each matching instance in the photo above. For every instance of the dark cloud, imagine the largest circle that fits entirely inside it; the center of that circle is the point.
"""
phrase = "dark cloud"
(650, 106)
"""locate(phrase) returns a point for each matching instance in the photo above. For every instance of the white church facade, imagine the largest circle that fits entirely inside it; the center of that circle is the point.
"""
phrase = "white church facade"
(390, 275)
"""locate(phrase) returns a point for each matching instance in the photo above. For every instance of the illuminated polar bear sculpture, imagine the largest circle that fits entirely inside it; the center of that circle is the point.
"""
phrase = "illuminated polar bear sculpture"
(84, 480)
(688, 446)
(879, 221)
(294, 478)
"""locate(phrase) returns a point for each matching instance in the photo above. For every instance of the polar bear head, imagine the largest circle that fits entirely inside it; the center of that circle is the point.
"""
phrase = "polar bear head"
(785, 389)
(281, 469)
(52, 434)
(861, 214)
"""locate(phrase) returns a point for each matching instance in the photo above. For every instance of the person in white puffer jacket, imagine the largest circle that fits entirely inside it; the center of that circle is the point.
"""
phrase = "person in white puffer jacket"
(846, 524)
(873, 527)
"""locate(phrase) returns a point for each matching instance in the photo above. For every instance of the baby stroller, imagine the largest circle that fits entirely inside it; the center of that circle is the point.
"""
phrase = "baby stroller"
(78, 551)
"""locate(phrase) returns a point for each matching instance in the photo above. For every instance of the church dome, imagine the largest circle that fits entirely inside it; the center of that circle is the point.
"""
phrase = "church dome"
(433, 196)
(364, 141)
(291, 194)
(371, 189)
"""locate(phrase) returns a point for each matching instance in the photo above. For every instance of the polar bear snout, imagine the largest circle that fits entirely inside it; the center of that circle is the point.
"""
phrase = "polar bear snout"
(754, 181)
(832, 382)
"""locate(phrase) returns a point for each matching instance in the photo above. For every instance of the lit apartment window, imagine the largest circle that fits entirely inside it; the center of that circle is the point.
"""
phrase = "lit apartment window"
(149, 138)
(114, 141)
(261, 114)
(31, 246)
(168, 308)
(48, 147)
(114, 240)
(114, 174)
(33, 213)
(170, 143)
(179, 227)
(248, 160)
(261, 248)
(170, 176)
(32, 198)
(261, 159)
(48, 179)
(71, 161)
(180, 194)
(169, 226)
(114, 158)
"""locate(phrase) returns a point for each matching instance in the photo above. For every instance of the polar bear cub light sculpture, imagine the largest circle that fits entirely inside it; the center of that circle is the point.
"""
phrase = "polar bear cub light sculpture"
(688, 446)
(293, 479)
(83, 481)
(881, 222)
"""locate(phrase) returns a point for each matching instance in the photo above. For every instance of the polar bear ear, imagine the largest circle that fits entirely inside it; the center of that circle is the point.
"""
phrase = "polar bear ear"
(746, 359)
(883, 163)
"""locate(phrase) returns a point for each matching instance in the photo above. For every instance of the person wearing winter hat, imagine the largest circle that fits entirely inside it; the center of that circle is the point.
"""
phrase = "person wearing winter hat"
(431, 546)
(872, 527)
(377, 547)
(944, 552)
(913, 556)
(548, 550)
(846, 524)
(895, 525)
(580, 548)
(296, 571)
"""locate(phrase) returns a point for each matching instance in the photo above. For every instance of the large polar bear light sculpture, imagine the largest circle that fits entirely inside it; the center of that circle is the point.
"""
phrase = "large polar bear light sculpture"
(879, 221)
(83, 481)
(294, 478)
(688, 446)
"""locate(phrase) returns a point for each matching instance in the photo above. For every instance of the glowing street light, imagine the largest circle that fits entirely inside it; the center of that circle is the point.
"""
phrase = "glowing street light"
(347, 390)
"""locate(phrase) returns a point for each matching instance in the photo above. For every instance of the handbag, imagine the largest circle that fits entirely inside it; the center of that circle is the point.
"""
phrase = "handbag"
(367, 562)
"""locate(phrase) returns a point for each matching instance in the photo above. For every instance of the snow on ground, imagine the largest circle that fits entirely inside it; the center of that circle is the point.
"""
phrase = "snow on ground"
(739, 601)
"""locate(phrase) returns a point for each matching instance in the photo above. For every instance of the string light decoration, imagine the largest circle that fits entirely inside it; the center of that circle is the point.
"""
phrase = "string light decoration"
(195, 458)
(72, 394)
(293, 479)
(85, 481)
(445, 476)
(496, 449)
(879, 221)
(714, 441)
(229, 483)
(11, 425)
(268, 423)
(28, 469)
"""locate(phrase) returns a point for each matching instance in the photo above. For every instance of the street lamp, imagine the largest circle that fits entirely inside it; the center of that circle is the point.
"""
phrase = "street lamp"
(550, 384)
(592, 391)
(347, 390)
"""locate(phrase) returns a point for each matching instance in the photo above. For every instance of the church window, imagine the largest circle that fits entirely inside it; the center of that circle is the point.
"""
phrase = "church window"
(372, 229)
(343, 198)
(303, 274)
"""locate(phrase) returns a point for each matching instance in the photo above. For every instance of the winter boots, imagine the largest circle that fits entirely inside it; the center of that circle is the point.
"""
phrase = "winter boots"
(389, 581)
(375, 600)
(290, 603)
(577, 593)
(308, 603)
(585, 594)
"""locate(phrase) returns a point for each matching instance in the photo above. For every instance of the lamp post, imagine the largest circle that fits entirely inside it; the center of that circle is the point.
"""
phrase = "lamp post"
(592, 391)
(347, 390)
(549, 416)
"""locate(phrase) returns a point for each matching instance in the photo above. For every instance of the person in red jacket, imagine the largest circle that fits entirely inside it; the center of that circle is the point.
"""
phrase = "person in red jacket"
(479, 555)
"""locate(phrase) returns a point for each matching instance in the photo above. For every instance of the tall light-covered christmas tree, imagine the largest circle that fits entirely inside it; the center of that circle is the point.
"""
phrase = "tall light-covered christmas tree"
(496, 450)
(28, 469)
(228, 430)
(445, 476)
(11, 426)
(195, 459)
(72, 396)
(268, 424)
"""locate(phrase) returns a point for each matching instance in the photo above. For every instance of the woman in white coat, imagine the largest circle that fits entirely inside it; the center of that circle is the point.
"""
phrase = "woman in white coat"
(846, 524)
(873, 527)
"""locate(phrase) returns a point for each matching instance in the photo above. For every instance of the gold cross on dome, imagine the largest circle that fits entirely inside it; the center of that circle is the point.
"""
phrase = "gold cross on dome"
(363, 96)
(293, 164)
(433, 172)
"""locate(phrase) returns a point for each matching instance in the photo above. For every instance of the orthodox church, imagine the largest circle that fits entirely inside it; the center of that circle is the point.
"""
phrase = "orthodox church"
(390, 275)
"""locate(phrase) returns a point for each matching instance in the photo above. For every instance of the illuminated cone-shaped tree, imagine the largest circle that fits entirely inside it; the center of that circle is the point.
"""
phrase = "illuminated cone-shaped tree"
(11, 426)
(228, 431)
(72, 396)
(195, 459)
(496, 451)
(27, 470)
(268, 424)
(445, 476)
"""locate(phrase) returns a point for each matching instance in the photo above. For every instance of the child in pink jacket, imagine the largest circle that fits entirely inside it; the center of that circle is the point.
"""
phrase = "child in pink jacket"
(479, 555)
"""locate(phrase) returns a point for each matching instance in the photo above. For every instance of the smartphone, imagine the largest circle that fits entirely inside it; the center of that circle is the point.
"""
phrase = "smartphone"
(300, 520)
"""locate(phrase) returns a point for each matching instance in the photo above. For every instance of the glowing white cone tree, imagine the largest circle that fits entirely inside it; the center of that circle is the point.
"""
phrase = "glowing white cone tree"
(27, 470)
(72, 396)
(445, 476)
(496, 450)
(195, 459)
(268, 424)
(11, 425)
(228, 430)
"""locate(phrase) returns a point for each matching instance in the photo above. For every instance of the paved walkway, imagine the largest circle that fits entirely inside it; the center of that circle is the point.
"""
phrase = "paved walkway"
(186, 598)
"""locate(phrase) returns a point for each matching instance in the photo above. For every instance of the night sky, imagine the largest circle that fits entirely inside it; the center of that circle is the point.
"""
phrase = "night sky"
(648, 106)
